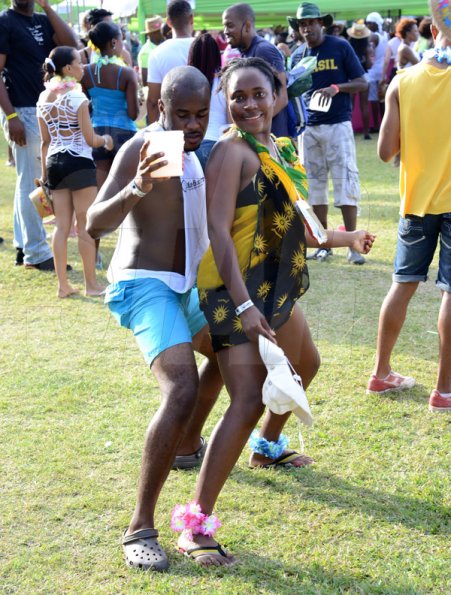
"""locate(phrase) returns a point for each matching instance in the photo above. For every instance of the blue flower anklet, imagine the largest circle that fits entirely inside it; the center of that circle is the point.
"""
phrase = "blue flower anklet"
(271, 450)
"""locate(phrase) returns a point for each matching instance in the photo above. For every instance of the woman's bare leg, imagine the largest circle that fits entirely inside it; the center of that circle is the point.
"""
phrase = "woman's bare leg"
(295, 339)
(63, 207)
(83, 199)
(243, 373)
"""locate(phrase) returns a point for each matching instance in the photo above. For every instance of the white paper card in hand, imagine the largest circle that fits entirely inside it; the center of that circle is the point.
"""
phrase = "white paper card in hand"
(312, 221)
(319, 102)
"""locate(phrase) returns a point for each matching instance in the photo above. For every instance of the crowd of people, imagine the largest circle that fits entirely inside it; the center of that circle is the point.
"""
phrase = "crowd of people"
(215, 259)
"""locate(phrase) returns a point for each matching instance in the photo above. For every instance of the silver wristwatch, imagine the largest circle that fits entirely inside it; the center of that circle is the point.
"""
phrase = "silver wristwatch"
(135, 190)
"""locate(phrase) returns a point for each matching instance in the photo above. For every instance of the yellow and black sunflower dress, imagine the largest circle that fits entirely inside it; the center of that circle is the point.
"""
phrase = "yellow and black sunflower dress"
(269, 239)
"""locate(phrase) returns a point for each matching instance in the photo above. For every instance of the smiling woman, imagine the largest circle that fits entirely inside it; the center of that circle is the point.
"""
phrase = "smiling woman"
(253, 204)
(251, 104)
(250, 279)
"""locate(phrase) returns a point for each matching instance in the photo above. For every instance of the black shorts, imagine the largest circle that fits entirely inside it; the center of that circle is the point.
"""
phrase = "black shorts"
(64, 171)
(120, 136)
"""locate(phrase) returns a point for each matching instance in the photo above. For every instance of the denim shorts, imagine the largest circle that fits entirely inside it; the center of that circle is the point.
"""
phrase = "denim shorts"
(158, 316)
(418, 238)
(67, 171)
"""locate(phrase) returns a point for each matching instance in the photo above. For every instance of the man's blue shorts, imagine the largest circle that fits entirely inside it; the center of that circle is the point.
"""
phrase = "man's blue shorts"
(418, 238)
(158, 316)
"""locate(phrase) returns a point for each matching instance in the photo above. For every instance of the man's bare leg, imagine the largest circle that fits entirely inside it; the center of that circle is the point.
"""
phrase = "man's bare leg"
(321, 212)
(391, 319)
(349, 214)
(210, 384)
(444, 331)
(177, 376)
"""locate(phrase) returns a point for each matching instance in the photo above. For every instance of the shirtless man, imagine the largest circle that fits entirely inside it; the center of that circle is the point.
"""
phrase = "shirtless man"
(163, 234)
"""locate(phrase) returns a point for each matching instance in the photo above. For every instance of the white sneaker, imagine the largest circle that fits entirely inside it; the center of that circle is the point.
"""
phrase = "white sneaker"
(320, 254)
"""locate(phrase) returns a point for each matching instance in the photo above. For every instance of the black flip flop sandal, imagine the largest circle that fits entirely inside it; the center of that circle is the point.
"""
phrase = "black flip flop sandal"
(284, 460)
(193, 460)
(196, 552)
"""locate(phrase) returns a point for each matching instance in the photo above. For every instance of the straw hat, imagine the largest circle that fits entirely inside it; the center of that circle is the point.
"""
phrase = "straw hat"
(441, 13)
(41, 199)
(358, 31)
(153, 24)
(339, 26)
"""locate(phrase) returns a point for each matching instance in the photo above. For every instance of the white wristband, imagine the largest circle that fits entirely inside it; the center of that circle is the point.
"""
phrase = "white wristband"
(243, 307)
(133, 188)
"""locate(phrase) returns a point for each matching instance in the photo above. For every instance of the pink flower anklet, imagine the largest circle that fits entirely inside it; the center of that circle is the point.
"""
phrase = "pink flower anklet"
(191, 519)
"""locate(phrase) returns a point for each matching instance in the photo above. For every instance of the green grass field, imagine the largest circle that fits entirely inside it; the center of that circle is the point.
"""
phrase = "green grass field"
(371, 516)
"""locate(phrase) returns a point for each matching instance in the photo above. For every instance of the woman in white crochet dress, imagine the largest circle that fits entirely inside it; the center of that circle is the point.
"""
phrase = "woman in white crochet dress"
(66, 160)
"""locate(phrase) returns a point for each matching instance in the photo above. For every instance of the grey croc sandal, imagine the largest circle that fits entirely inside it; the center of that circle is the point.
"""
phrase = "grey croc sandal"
(193, 460)
(143, 551)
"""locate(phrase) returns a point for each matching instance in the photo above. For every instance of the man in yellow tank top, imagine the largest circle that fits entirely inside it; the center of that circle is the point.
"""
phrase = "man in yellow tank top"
(417, 123)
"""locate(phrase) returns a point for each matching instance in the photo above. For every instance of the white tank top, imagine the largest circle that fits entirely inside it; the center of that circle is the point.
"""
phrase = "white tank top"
(61, 117)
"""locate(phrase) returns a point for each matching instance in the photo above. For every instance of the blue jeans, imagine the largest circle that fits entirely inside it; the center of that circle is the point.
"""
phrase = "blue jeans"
(29, 233)
(418, 238)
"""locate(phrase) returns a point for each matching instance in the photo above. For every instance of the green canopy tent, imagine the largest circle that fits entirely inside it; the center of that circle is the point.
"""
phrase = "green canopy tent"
(274, 12)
